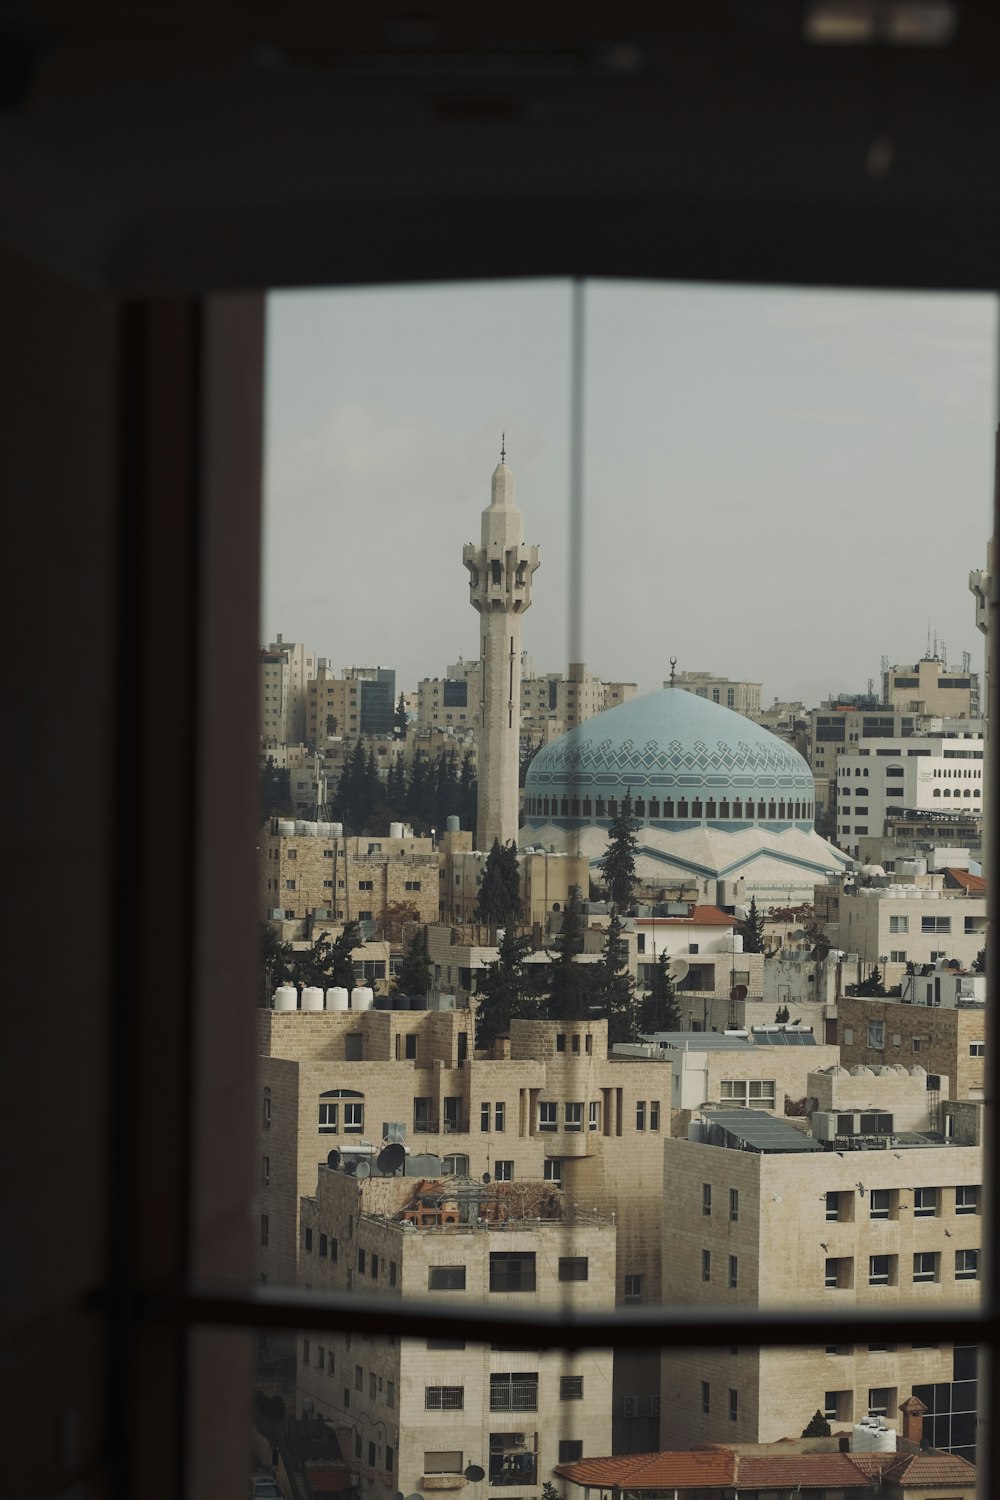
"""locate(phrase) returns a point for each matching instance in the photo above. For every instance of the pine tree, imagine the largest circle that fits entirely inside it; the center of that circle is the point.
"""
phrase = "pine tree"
(817, 1426)
(659, 1010)
(503, 990)
(400, 721)
(275, 961)
(500, 891)
(571, 986)
(872, 987)
(275, 791)
(618, 864)
(617, 991)
(414, 974)
(752, 928)
(468, 793)
(328, 964)
(341, 967)
(978, 965)
(417, 791)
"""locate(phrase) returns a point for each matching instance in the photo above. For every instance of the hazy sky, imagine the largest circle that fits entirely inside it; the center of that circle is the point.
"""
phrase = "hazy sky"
(778, 485)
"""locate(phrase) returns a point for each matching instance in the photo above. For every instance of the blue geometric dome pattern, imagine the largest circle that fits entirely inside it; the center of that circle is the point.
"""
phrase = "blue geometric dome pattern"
(670, 742)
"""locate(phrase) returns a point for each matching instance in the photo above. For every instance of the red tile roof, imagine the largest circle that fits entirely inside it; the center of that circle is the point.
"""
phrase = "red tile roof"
(974, 885)
(699, 916)
(921, 1469)
(706, 1468)
(654, 1471)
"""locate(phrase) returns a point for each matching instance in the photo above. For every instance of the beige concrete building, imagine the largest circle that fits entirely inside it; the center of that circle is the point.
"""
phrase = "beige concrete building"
(947, 1041)
(925, 773)
(333, 706)
(920, 922)
(412, 1416)
(930, 686)
(743, 697)
(452, 700)
(758, 1214)
(312, 869)
(546, 883)
(285, 670)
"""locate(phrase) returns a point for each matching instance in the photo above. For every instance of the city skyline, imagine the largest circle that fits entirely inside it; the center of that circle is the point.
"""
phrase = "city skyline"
(715, 410)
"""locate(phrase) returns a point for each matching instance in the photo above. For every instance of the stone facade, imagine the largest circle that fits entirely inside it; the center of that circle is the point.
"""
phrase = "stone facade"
(346, 877)
(947, 1042)
(776, 1244)
(413, 1416)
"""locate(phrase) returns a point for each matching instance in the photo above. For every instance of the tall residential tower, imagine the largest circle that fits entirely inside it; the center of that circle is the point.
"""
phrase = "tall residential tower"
(500, 570)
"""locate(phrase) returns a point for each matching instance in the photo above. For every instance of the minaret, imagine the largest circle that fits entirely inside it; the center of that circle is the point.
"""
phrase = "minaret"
(500, 570)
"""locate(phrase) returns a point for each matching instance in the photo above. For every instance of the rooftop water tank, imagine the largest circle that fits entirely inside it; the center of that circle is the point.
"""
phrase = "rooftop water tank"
(337, 998)
(286, 997)
(452, 824)
(300, 826)
(395, 830)
(362, 998)
(336, 830)
(310, 829)
(324, 830)
(312, 997)
(871, 1435)
(286, 828)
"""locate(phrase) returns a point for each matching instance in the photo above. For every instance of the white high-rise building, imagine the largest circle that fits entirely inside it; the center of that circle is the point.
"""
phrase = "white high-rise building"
(500, 570)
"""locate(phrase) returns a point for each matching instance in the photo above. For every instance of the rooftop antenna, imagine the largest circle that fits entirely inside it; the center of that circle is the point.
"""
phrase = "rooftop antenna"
(503, 446)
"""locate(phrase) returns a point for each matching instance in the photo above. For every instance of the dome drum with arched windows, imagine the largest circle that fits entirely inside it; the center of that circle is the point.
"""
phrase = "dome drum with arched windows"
(715, 795)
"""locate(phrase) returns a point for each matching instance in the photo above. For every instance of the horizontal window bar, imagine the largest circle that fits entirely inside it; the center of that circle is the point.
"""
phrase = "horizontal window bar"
(551, 1327)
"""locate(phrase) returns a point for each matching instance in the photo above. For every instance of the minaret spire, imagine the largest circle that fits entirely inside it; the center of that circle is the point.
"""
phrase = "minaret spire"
(500, 569)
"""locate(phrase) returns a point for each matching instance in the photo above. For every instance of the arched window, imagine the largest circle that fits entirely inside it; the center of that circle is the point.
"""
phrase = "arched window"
(937, 791)
(455, 1166)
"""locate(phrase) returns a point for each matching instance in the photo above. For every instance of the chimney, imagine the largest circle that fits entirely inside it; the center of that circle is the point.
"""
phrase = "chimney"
(913, 1410)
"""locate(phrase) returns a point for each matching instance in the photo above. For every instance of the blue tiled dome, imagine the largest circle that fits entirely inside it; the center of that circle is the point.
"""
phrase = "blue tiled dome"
(681, 756)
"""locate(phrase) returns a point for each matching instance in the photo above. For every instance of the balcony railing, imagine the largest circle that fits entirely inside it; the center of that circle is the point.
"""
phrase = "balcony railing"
(518, 1395)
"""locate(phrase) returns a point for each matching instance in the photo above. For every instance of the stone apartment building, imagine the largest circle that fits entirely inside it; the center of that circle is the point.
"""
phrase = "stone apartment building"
(550, 704)
(549, 1106)
(919, 923)
(925, 773)
(947, 1040)
(758, 1213)
(414, 1416)
(306, 867)
(743, 697)
(285, 668)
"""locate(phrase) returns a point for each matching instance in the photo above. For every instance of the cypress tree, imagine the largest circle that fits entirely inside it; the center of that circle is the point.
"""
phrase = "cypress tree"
(503, 990)
(659, 1010)
(500, 891)
(617, 991)
(571, 986)
(414, 974)
(618, 864)
(752, 928)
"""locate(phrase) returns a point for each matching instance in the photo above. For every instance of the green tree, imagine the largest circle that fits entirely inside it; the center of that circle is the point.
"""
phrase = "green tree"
(340, 967)
(275, 961)
(815, 935)
(503, 990)
(752, 928)
(526, 752)
(616, 991)
(468, 793)
(978, 963)
(618, 864)
(817, 1426)
(414, 974)
(400, 721)
(571, 986)
(275, 791)
(872, 986)
(417, 791)
(500, 891)
(659, 1010)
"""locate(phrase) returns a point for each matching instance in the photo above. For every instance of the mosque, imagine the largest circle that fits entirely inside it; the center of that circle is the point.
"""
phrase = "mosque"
(716, 797)
(720, 802)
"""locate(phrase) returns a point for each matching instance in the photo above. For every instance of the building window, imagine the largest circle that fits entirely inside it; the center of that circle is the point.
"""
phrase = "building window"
(548, 1113)
(706, 1265)
(966, 1265)
(640, 1114)
(573, 1117)
(328, 1116)
(456, 1165)
(444, 1398)
(734, 1405)
(706, 1398)
(361, 1262)
(876, 1035)
(499, 1116)
(654, 1114)
(424, 1120)
(899, 924)
(265, 1171)
(839, 1270)
(593, 1116)
(633, 1287)
(734, 1204)
(570, 1449)
(706, 1198)
(354, 1118)
(324, 1246)
(573, 1267)
(935, 924)
(733, 1272)
(552, 1171)
(571, 1388)
(446, 1278)
(359, 1378)
(515, 1392)
(265, 1225)
(503, 1171)
(977, 1049)
(880, 1204)
(512, 1271)
(880, 1398)
(925, 1265)
(756, 1091)
(484, 1116)
(925, 1202)
(881, 1270)
(967, 1200)
(266, 1113)
(450, 1462)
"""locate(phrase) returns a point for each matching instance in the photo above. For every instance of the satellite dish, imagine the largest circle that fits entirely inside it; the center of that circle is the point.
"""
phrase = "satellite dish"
(678, 968)
(475, 1473)
(391, 1158)
(486, 1177)
(738, 992)
(333, 1158)
(363, 1169)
